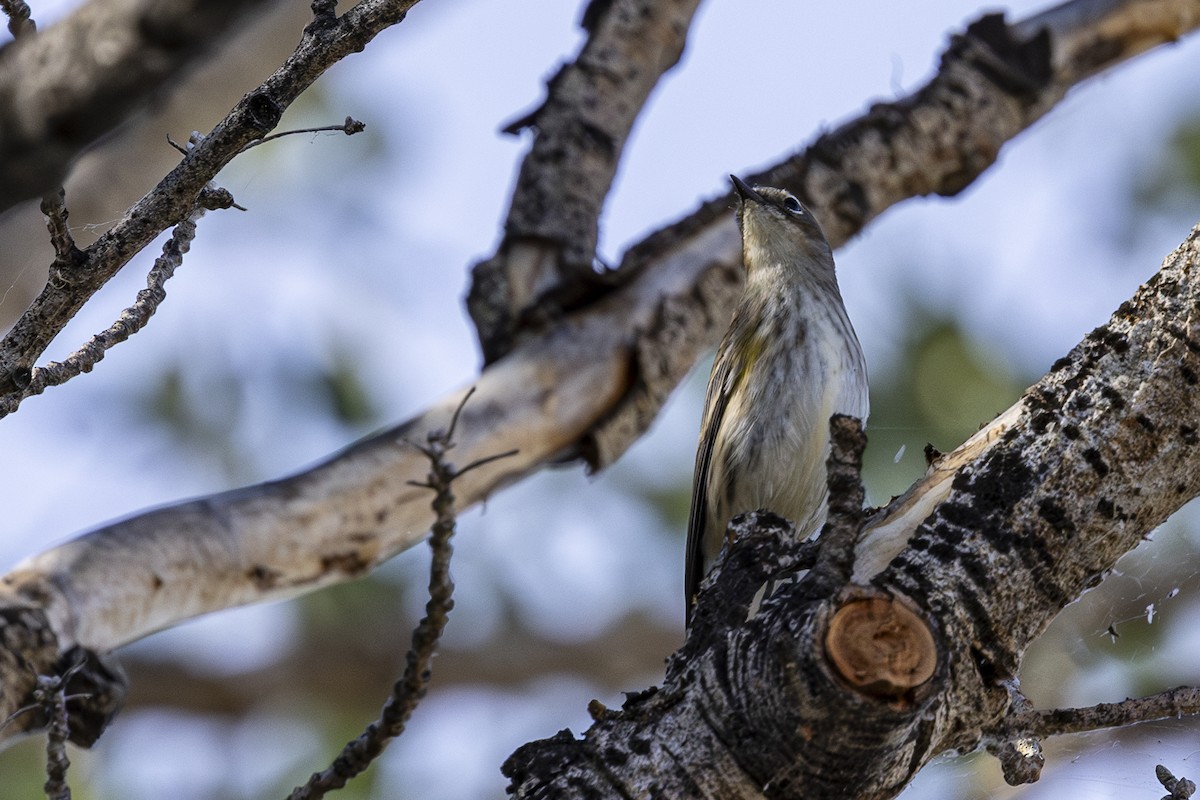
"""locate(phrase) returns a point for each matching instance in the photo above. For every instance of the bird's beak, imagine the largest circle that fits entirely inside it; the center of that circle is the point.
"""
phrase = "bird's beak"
(745, 192)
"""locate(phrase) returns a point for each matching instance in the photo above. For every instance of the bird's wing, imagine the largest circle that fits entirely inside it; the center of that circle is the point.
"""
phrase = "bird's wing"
(716, 400)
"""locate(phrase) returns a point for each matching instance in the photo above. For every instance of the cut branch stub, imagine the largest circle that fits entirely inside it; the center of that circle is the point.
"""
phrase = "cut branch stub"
(880, 647)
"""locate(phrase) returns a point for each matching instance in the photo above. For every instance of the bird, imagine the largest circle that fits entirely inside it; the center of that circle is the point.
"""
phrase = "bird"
(789, 360)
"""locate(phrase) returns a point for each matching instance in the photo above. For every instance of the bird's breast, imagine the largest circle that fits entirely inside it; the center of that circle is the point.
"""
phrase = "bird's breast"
(808, 366)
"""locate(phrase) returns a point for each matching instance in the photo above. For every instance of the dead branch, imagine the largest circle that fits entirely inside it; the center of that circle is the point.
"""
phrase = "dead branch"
(589, 385)
(326, 40)
(66, 87)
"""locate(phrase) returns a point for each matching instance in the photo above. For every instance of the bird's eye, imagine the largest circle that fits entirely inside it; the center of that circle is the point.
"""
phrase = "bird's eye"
(792, 205)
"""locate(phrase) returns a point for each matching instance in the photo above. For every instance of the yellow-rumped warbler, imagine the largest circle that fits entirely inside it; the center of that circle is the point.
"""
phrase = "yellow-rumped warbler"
(789, 361)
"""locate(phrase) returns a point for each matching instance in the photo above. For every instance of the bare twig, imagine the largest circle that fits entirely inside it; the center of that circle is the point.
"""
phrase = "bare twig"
(50, 698)
(350, 127)
(131, 320)
(325, 41)
(412, 686)
(51, 693)
(1015, 741)
(1178, 702)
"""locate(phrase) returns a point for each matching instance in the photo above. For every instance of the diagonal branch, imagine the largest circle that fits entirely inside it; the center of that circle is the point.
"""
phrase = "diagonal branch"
(589, 385)
(63, 89)
(325, 41)
(1104, 450)
(1095, 455)
(544, 265)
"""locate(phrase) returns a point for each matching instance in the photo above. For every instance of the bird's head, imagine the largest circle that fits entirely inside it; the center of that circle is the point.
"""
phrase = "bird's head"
(779, 229)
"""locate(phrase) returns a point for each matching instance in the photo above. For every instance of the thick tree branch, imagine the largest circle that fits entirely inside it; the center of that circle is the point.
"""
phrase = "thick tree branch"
(63, 89)
(545, 263)
(326, 41)
(992, 84)
(1101, 451)
(590, 384)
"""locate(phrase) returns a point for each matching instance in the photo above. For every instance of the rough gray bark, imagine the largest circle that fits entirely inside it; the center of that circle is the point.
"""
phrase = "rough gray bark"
(545, 263)
(589, 384)
(1100, 451)
(993, 83)
(63, 89)
(72, 282)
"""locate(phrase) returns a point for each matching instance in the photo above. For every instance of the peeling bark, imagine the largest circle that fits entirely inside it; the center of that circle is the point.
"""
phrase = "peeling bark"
(589, 385)
(1094, 456)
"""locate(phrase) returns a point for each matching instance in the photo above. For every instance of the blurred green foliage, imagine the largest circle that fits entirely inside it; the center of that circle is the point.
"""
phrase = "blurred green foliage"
(205, 410)
(942, 388)
(346, 395)
(22, 771)
(1174, 178)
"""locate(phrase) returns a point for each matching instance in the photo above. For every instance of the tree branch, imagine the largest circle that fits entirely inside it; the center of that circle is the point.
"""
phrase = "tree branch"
(131, 320)
(1096, 454)
(589, 385)
(1103, 449)
(410, 689)
(63, 89)
(1174, 703)
(545, 263)
(349, 126)
(325, 42)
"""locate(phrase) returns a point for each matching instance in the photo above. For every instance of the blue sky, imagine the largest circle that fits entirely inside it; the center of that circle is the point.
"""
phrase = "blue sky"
(365, 243)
